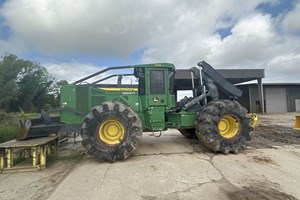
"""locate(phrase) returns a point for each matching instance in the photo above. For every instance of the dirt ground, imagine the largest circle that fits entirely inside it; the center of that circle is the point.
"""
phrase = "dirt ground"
(274, 131)
(172, 167)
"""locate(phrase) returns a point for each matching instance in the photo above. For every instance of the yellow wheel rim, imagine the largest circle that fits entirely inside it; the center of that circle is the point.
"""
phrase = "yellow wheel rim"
(111, 132)
(229, 126)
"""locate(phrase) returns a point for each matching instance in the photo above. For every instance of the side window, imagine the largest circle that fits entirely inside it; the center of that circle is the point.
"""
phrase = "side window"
(157, 82)
(140, 74)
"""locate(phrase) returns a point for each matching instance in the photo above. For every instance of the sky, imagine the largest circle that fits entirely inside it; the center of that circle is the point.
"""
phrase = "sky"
(74, 38)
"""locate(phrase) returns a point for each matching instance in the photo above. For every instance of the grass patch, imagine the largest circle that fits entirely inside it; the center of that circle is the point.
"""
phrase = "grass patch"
(8, 130)
(9, 124)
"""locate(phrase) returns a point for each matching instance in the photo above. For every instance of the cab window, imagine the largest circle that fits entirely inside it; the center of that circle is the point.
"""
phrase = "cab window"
(157, 82)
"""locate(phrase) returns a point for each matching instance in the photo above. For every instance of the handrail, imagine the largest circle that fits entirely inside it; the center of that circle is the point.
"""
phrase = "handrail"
(102, 71)
(111, 77)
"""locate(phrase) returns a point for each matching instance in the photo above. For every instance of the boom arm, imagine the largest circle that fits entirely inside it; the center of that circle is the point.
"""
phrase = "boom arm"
(209, 73)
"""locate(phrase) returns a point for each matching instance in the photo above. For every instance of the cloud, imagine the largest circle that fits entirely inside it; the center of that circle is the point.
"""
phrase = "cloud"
(251, 43)
(112, 28)
(86, 27)
(284, 66)
(180, 32)
(255, 42)
(290, 23)
(193, 38)
(71, 71)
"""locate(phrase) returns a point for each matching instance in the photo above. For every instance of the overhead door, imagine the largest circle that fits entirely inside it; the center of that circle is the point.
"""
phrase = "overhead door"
(276, 100)
(297, 105)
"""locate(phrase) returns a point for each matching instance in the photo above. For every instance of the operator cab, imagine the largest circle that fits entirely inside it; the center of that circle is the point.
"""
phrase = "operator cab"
(156, 93)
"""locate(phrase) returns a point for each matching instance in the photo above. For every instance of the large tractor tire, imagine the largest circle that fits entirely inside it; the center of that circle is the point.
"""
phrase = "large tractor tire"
(189, 133)
(111, 131)
(224, 126)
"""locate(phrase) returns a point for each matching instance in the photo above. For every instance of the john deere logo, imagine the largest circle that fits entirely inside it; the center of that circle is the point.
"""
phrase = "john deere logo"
(155, 100)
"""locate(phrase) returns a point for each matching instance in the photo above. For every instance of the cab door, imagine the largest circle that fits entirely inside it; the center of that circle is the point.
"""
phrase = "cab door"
(156, 98)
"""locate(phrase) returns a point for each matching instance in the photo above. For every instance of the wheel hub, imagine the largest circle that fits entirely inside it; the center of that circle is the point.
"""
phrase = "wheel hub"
(229, 126)
(111, 132)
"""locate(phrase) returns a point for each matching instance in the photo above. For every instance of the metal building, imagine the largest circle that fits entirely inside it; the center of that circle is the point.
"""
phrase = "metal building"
(279, 97)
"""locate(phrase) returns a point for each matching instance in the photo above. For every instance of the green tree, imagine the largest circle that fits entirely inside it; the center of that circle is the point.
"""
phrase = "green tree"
(26, 84)
(34, 84)
(9, 70)
(53, 97)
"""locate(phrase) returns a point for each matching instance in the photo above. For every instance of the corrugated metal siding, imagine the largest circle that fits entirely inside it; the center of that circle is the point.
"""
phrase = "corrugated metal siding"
(276, 100)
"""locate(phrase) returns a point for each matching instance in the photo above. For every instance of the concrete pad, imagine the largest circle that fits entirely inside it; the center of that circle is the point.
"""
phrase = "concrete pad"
(174, 167)
(170, 142)
(33, 185)
(136, 178)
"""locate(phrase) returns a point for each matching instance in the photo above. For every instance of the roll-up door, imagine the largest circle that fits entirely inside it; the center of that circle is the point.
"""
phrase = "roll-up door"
(276, 100)
(297, 105)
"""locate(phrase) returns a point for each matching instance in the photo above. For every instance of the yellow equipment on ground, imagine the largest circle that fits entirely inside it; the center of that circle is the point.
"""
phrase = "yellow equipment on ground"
(254, 120)
(297, 123)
